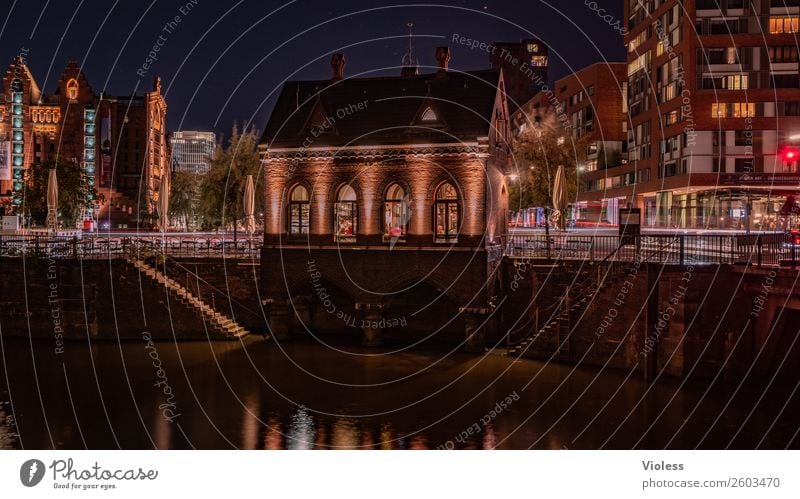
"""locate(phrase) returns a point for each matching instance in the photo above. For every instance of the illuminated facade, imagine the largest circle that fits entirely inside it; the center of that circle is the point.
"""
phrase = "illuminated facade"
(119, 141)
(397, 186)
(524, 64)
(192, 151)
(591, 102)
(714, 105)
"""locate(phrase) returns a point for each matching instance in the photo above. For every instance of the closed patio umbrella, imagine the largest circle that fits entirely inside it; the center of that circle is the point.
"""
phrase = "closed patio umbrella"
(560, 195)
(52, 201)
(163, 203)
(249, 206)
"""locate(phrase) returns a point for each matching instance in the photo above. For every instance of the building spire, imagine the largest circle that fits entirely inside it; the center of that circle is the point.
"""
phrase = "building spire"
(410, 66)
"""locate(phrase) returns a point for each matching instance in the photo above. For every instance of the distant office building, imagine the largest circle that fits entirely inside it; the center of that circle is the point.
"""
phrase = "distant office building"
(192, 151)
(524, 66)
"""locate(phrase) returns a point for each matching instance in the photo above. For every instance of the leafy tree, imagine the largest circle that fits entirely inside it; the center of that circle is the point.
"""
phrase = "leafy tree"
(222, 188)
(74, 195)
(183, 200)
(538, 152)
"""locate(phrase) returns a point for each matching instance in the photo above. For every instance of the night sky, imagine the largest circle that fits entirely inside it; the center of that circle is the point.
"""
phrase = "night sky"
(226, 60)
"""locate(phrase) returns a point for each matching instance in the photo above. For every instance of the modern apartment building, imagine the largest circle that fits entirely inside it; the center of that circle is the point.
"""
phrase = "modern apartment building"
(714, 115)
(593, 102)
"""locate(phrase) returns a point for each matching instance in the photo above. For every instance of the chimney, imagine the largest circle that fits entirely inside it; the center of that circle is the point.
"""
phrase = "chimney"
(337, 64)
(443, 58)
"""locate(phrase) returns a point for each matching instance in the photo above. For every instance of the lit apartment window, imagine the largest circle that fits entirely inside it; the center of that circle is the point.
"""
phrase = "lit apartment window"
(736, 82)
(719, 110)
(732, 56)
(784, 24)
(744, 109)
(538, 61)
(533, 48)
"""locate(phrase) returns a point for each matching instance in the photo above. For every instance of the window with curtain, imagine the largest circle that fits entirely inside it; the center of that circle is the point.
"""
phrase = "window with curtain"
(396, 213)
(299, 211)
(345, 214)
(445, 214)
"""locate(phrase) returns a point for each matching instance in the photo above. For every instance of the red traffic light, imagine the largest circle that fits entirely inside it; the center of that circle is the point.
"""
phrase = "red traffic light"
(789, 154)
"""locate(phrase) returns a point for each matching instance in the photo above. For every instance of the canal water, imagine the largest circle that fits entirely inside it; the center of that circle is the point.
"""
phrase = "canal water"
(262, 395)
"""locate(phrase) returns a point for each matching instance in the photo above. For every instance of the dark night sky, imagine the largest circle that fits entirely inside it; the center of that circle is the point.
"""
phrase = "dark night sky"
(226, 60)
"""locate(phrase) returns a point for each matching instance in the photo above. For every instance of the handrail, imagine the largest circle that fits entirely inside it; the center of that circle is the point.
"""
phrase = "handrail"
(193, 274)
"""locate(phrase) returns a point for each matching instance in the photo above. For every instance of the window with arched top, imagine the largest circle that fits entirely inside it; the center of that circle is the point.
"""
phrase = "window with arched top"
(445, 214)
(72, 89)
(345, 215)
(299, 211)
(396, 213)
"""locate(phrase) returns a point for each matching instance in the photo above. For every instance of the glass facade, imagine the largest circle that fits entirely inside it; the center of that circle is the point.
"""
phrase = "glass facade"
(726, 209)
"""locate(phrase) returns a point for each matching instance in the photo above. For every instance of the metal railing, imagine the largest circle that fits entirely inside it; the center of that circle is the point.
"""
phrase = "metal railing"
(105, 247)
(678, 249)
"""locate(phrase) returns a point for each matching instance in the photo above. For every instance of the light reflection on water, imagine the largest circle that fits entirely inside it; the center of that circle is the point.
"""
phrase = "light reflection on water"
(255, 397)
(8, 431)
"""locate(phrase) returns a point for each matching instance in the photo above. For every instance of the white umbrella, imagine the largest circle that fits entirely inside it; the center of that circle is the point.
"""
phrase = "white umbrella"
(560, 196)
(163, 202)
(52, 200)
(249, 206)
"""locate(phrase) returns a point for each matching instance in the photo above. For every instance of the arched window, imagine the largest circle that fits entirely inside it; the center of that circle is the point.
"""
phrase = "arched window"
(445, 214)
(345, 215)
(72, 89)
(396, 213)
(298, 211)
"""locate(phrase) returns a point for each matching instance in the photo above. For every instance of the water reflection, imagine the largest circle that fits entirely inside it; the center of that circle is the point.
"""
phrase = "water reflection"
(301, 431)
(8, 431)
(256, 397)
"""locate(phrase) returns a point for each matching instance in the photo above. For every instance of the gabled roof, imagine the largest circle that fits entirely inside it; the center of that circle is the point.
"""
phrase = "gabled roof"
(384, 110)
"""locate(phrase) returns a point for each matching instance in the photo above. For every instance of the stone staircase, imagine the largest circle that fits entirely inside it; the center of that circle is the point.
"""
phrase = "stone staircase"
(571, 305)
(220, 322)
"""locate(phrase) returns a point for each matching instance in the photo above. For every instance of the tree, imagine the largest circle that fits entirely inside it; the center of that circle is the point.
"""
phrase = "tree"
(538, 152)
(222, 188)
(74, 194)
(183, 200)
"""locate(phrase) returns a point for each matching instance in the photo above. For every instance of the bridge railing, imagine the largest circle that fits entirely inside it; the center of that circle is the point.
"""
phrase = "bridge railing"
(679, 249)
(102, 247)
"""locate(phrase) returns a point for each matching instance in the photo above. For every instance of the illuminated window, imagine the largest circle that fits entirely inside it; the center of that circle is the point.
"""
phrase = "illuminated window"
(346, 215)
(786, 24)
(533, 48)
(732, 55)
(72, 89)
(429, 115)
(719, 110)
(539, 61)
(396, 213)
(299, 211)
(736, 82)
(744, 110)
(446, 214)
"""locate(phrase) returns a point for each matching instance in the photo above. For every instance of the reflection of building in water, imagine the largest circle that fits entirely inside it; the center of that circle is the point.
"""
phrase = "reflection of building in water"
(301, 431)
(273, 438)
(398, 184)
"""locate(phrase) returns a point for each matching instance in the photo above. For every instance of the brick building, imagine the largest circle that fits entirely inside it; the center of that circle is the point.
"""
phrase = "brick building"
(120, 141)
(589, 102)
(524, 65)
(397, 184)
(714, 104)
